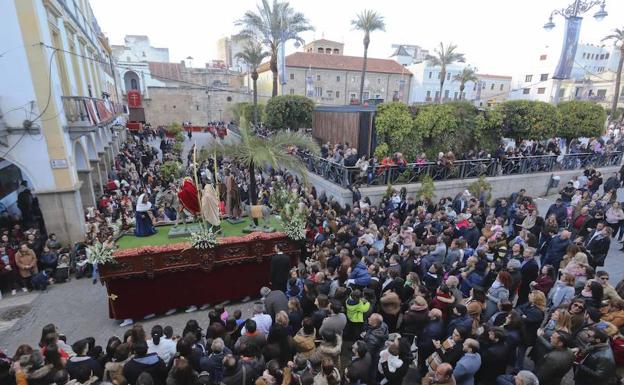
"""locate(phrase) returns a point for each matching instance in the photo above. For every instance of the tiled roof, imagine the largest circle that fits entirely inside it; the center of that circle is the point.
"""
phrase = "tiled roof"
(323, 41)
(166, 71)
(339, 62)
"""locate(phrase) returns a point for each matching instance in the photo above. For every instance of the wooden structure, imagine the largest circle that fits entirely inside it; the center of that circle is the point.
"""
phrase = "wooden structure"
(154, 279)
(346, 124)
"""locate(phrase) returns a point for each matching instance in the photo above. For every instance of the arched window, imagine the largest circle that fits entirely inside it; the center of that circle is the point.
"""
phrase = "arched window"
(133, 84)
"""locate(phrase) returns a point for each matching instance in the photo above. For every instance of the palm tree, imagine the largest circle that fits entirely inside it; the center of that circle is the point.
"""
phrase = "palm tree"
(444, 57)
(253, 54)
(367, 21)
(468, 74)
(618, 38)
(273, 25)
(256, 152)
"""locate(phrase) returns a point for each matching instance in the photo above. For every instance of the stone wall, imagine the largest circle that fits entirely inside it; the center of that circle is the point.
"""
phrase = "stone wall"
(535, 184)
(169, 104)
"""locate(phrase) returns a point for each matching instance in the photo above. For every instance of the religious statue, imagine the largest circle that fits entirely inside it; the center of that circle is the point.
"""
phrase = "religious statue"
(210, 206)
(232, 202)
(144, 225)
(188, 201)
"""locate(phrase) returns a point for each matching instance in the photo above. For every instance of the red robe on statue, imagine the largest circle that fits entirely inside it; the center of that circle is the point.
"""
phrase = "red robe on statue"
(188, 197)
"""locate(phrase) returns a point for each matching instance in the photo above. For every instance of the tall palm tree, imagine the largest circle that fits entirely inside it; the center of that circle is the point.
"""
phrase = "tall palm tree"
(273, 25)
(444, 56)
(367, 21)
(468, 74)
(618, 38)
(256, 152)
(253, 54)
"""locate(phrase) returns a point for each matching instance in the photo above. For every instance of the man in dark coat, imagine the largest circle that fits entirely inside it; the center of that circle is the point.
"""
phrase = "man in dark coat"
(494, 355)
(598, 243)
(529, 272)
(358, 369)
(557, 248)
(598, 367)
(274, 301)
(559, 210)
(553, 367)
(144, 362)
(280, 269)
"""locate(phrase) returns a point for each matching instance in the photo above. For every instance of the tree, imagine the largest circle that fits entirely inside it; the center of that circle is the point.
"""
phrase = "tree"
(581, 119)
(618, 38)
(273, 25)
(256, 153)
(468, 74)
(437, 127)
(253, 54)
(444, 56)
(526, 119)
(393, 124)
(289, 111)
(367, 21)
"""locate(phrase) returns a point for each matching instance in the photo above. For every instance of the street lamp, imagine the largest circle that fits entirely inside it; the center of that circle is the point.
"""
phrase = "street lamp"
(572, 15)
(576, 9)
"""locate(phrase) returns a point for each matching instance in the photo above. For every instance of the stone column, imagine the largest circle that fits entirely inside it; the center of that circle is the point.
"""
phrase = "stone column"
(63, 214)
(98, 182)
(87, 195)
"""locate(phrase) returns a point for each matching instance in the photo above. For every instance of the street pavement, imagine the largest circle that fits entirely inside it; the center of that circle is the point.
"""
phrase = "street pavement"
(80, 309)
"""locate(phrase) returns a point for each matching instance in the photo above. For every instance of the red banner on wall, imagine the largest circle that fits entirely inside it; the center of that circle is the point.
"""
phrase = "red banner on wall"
(134, 99)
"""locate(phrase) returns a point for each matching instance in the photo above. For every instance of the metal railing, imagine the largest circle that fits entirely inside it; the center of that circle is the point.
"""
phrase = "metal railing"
(413, 172)
(82, 112)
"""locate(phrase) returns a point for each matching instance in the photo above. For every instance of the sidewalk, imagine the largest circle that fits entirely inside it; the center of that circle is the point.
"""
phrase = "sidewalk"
(12, 308)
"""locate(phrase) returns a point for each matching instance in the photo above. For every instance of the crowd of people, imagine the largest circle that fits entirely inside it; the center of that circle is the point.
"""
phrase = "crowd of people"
(456, 292)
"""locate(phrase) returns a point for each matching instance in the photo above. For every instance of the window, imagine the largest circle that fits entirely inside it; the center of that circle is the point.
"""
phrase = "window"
(543, 57)
(330, 93)
(337, 79)
(292, 76)
(448, 76)
(446, 94)
(197, 107)
(607, 55)
(352, 79)
(337, 94)
(437, 95)
(365, 95)
(174, 106)
(430, 73)
(292, 91)
(561, 92)
(378, 80)
(543, 77)
(592, 56)
(528, 78)
(321, 50)
(395, 96)
(526, 91)
(428, 97)
(144, 54)
(318, 91)
(10, 179)
(501, 87)
(318, 77)
(602, 56)
(541, 90)
(492, 87)
(584, 54)
(438, 76)
(455, 96)
(601, 93)
(474, 87)
(128, 58)
(483, 85)
(336, 51)
(352, 96)
(133, 84)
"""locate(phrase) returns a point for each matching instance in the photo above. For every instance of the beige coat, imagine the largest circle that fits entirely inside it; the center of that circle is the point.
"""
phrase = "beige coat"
(26, 263)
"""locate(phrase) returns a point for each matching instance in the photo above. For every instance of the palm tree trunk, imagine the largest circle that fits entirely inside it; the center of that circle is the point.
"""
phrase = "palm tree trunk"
(461, 90)
(273, 65)
(366, 43)
(254, 78)
(441, 88)
(253, 194)
(618, 78)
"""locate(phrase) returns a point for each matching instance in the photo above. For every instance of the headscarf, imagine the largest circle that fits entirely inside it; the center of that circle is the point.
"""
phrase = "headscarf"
(143, 207)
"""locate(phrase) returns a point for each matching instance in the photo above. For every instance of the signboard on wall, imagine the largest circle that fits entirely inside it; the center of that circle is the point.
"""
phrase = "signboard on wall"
(134, 99)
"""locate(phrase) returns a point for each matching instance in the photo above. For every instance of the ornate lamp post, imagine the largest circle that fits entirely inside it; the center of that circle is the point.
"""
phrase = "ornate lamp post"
(572, 14)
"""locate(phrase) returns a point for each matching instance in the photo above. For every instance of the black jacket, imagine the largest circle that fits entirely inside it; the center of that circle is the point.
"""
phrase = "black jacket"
(359, 368)
(149, 363)
(494, 359)
(598, 367)
(551, 369)
(280, 271)
(74, 363)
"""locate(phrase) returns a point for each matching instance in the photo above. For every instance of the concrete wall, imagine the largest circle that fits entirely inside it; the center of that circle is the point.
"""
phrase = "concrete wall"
(535, 184)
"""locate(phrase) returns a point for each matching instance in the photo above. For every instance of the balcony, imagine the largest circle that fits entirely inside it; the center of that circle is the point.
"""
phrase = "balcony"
(84, 115)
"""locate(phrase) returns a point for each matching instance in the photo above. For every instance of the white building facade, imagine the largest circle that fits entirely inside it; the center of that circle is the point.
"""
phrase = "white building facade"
(536, 83)
(58, 109)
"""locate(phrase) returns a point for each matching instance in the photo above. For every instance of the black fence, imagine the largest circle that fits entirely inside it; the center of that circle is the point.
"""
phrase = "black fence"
(413, 172)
